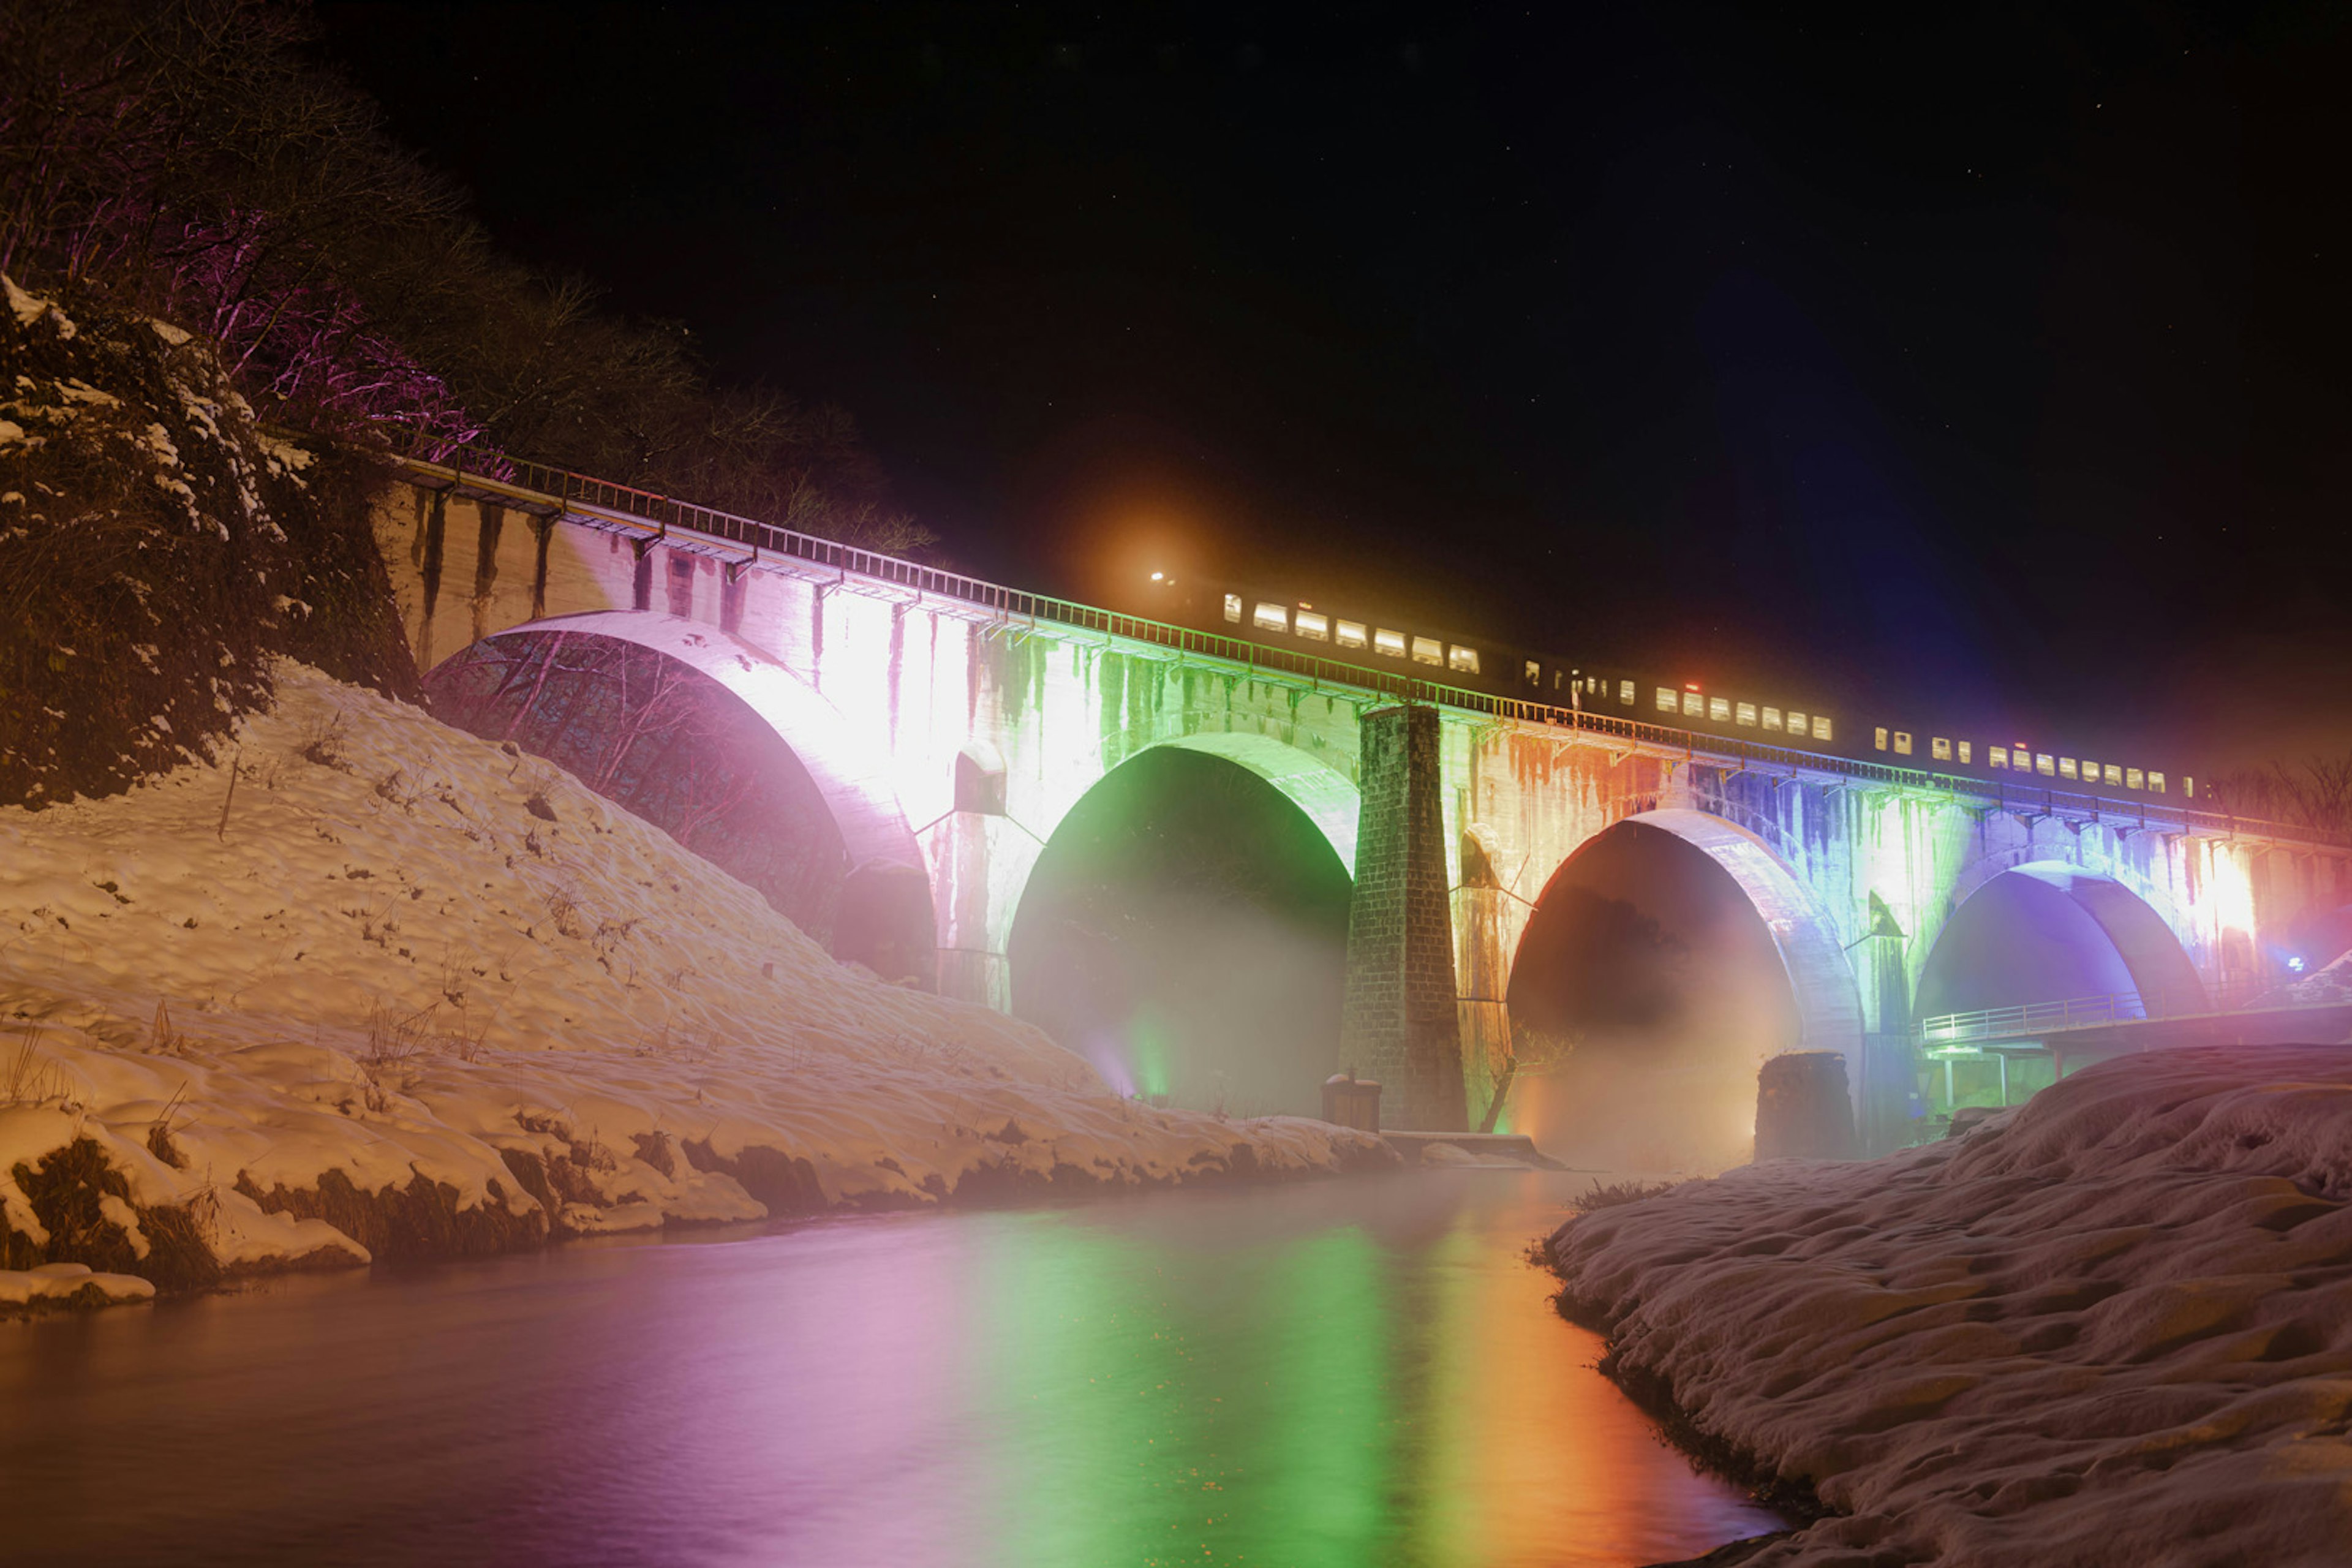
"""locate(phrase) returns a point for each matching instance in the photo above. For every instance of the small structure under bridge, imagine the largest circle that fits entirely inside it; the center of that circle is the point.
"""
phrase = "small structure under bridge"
(2014, 1050)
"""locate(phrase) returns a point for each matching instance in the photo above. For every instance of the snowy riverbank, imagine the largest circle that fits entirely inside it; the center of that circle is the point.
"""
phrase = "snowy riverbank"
(2112, 1327)
(407, 994)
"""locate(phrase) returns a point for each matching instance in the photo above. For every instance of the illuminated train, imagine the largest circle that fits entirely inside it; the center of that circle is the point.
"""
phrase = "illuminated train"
(1643, 697)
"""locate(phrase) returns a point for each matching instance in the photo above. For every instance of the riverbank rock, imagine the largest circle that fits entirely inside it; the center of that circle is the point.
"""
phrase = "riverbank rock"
(2112, 1327)
(1802, 1108)
(67, 1286)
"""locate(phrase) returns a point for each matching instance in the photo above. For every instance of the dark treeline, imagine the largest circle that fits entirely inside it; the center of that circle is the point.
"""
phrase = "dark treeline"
(195, 160)
(2313, 794)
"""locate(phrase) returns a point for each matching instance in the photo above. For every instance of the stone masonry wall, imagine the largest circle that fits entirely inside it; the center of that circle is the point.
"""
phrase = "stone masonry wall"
(1399, 1022)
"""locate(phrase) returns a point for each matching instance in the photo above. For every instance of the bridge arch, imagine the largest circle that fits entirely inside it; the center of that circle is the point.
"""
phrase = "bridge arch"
(2051, 931)
(644, 700)
(1666, 957)
(1324, 795)
(1182, 925)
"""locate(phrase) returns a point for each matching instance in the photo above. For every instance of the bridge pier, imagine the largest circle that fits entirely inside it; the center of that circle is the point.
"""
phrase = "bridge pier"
(1399, 1021)
(980, 861)
(1483, 930)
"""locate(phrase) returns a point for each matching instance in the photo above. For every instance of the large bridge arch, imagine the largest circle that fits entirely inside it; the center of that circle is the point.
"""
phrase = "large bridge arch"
(1674, 950)
(1182, 923)
(880, 912)
(1326, 796)
(2052, 930)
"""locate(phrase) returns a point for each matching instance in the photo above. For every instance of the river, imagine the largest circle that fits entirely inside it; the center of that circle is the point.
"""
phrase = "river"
(1344, 1372)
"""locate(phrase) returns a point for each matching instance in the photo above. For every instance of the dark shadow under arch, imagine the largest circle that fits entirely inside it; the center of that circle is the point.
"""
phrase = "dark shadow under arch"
(1184, 929)
(1665, 960)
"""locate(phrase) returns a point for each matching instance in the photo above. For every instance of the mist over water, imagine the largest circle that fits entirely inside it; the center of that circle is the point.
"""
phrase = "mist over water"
(1651, 975)
(1185, 930)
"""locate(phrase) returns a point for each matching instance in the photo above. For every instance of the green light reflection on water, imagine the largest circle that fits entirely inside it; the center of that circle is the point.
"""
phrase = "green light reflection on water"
(1147, 1432)
(1360, 1373)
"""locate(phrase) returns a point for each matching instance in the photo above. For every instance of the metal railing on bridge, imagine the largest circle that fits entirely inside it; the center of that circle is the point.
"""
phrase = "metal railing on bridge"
(2032, 1020)
(568, 493)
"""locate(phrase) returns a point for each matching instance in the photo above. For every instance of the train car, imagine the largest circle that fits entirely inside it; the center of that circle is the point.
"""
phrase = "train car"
(1358, 637)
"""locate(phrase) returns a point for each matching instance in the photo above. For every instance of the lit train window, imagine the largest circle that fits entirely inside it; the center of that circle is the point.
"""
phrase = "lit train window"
(1720, 709)
(2065, 767)
(2135, 779)
(2113, 774)
(1881, 737)
(1796, 722)
(1902, 742)
(2189, 786)
(2155, 783)
(1694, 705)
(1272, 619)
(1746, 715)
(1390, 643)
(1625, 692)
(1233, 606)
(1821, 727)
(1941, 749)
(1311, 624)
(2000, 756)
(1669, 700)
(1535, 673)
(2090, 772)
(1964, 750)
(2044, 765)
(1464, 659)
(1428, 650)
(1771, 718)
(1351, 633)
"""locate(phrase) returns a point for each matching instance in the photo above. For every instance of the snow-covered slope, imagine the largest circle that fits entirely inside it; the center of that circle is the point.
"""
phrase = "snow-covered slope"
(402, 980)
(2113, 1327)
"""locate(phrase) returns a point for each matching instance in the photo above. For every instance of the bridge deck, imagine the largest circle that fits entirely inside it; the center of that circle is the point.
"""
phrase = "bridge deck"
(748, 544)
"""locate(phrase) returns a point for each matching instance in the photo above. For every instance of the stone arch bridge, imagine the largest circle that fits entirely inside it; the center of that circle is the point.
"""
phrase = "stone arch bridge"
(949, 726)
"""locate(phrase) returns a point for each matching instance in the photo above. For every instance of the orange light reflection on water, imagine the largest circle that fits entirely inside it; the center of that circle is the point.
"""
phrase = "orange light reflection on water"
(1536, 1459)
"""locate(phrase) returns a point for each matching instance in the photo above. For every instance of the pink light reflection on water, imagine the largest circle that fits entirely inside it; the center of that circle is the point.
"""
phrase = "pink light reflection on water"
(1342, 1372)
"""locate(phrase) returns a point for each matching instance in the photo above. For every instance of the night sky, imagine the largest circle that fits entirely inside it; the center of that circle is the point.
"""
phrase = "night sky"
(1985, 369)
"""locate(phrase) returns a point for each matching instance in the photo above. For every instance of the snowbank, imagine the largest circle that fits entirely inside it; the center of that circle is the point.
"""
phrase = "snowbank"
(2113, 1326)
(371, 985)
(67, 1285)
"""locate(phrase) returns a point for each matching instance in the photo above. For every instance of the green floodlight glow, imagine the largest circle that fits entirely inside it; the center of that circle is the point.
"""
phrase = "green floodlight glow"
(1147, 1051)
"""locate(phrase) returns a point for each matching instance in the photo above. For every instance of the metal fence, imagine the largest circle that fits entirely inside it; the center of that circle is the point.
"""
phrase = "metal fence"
(2033, 1019)
(602, 502)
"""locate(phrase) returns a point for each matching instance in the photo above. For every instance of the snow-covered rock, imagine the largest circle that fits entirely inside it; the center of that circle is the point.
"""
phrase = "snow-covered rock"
(161, 547)
(67, 1285)
(371, 1003)
(2112, 1327)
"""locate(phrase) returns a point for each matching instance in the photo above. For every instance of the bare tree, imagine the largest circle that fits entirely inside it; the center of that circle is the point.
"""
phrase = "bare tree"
(1532, 1053)
(2315, 793)
(188, 158)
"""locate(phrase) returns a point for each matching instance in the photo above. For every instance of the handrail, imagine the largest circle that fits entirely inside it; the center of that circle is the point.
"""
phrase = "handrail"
(2032, 1018)
(569, 493)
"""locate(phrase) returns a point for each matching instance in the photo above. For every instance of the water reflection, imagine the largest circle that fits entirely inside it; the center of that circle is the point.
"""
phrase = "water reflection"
(1349, 1372)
